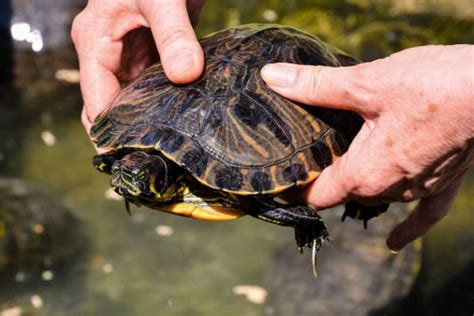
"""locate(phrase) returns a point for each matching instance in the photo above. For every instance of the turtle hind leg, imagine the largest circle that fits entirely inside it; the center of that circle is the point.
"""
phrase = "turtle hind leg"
(307, 236)
(309, 226)
(310, 230)
(357, 210)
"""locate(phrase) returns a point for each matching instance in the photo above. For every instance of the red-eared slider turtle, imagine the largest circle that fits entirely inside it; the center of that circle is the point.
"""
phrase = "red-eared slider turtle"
(226, 145)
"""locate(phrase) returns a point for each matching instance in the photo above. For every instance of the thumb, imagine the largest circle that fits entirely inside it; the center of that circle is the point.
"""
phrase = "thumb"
(337, 181)
(333, 87)
(329, 188)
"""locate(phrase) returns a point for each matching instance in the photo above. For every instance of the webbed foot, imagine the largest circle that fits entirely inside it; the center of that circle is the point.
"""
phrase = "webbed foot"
(310, 230)
(311, 238)
(364, 213)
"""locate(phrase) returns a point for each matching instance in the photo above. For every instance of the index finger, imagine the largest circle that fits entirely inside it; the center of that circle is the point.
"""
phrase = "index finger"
(99, 47)
(97, 97)
(180, 52)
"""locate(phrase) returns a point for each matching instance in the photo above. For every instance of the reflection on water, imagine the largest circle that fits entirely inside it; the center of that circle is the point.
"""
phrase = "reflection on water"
(153, 263)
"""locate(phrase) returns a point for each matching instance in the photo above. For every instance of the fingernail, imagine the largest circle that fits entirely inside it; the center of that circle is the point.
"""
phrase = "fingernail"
(279, 75)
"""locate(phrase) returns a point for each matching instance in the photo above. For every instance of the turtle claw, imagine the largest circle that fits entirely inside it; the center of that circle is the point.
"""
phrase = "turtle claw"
(343, 218)
(313, 259)
(315, 246)
(127, 208)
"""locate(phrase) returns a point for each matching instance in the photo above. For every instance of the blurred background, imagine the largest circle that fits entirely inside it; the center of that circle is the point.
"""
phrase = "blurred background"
(67, 246)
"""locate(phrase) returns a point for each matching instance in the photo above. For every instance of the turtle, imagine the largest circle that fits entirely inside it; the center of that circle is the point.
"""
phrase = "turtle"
(226, 145)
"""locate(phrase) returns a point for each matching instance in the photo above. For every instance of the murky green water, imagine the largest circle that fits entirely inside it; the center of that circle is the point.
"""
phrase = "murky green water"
(157, 264)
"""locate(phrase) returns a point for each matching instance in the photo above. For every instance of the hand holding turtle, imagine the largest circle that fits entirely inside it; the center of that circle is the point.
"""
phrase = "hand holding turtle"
(114, 44)
(418, 136)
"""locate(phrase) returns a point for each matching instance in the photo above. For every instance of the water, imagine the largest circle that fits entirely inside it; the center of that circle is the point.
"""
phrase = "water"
(153, 263)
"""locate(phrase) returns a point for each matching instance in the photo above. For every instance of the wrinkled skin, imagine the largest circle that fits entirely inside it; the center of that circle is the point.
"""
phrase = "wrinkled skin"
(116, 40)
(418, 138)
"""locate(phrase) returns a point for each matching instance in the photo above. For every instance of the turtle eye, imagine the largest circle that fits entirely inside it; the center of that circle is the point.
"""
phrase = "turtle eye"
(143, 174)
(139, 174)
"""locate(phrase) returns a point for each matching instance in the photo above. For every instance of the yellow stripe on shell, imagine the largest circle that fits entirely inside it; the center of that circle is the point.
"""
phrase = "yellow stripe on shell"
(249, 140)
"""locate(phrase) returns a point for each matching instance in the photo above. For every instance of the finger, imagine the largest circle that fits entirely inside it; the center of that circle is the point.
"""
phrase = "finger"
(329, 188)
(87, 125)
(180, 52)
(97, 97)
(429, 211)
(337, 182)
(97, 40)
(85, 120)
(334, 87)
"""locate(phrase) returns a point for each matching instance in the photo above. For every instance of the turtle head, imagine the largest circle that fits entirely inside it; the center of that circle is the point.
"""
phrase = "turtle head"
(141, 177)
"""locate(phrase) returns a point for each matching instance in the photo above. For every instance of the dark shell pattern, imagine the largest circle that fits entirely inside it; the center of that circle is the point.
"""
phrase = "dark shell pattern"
(228, 128)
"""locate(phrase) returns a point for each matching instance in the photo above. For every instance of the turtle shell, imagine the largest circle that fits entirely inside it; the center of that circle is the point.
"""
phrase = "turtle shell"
(228, 128)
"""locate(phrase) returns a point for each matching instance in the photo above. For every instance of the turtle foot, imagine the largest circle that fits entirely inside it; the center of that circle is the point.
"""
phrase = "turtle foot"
(364, 213)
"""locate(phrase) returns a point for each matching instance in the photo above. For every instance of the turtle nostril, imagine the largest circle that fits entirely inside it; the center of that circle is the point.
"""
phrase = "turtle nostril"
(136, 171)
(116, 166)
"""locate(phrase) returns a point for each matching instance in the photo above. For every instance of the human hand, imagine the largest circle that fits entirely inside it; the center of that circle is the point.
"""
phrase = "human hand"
(114, 44)
(418, 136)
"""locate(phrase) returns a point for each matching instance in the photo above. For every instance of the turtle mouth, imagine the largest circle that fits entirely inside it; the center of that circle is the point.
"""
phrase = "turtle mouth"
(132, 194)
(129, 188)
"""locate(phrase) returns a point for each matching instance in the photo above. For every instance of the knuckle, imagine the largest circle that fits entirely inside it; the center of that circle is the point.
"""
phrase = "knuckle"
(408, 196)
(173, 35)
(374, 187)
(86, 121)
(354, 184)
(313, 83)
(77, 28)
(361, 71)
(360, 89)
(368, 185)
(350, 179)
